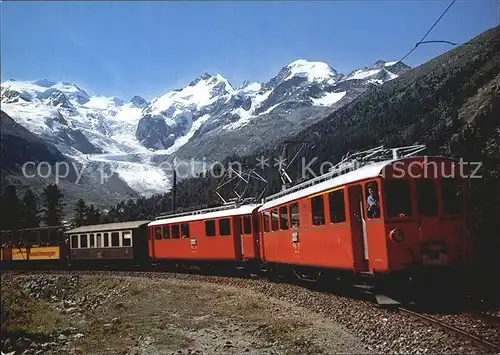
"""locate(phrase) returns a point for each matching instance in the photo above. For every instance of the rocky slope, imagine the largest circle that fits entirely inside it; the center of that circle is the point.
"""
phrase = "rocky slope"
(97, 184)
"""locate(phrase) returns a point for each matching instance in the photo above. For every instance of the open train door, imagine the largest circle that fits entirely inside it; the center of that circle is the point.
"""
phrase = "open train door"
(358, 229)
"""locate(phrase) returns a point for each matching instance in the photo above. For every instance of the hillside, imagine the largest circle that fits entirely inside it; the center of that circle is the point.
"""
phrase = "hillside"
(20, 145)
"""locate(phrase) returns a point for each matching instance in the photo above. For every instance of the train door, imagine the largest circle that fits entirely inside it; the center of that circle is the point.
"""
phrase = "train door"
(238, 238)
(358, 228)
(242, 242)
(256, 234)
(435, 227)
(151, 235)
(427, 205)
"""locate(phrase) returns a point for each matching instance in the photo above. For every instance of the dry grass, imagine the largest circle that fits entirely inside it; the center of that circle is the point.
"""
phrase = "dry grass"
(144, 316)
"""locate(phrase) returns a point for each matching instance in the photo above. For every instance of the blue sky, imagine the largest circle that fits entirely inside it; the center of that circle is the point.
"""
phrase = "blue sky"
(147, 48)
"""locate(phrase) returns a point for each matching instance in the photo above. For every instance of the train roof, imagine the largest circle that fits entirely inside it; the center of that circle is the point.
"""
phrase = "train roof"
(330, 181)
(365, 172)
(108, 227)
(208, 214)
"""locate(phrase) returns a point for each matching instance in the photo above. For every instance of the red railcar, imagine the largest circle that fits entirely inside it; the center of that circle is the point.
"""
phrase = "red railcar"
(418, 220)
(223, 234)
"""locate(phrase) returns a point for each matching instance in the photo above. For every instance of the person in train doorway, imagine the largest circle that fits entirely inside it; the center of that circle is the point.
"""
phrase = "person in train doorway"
(373, 204)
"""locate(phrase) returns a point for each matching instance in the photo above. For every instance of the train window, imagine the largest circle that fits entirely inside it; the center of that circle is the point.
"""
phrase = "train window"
(106, 239)
(224, 226)
(373, 200)
(83, 241)
(127, 239)
(185, 230)
(166, 232)
(398, 198)
(294, 215)
(74, 241)
(175, 231)
(210, 228)
(157, 233)
(274, 219)
(318, 210)
(426, 198)
(337, 206)
(92, 241)
(247, 225)
(98, 240)
(452, 196)
(266, 221)
(283, 218)
(115, 239)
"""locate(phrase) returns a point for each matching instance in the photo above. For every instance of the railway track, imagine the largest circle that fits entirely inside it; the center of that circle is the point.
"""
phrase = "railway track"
(452, 329)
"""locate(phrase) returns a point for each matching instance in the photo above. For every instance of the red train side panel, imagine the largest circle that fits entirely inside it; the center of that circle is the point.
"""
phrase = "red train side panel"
(213, 234)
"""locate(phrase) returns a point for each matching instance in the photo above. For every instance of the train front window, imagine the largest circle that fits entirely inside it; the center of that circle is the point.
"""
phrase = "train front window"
(397, 198)
(426, 198)
(452, 196)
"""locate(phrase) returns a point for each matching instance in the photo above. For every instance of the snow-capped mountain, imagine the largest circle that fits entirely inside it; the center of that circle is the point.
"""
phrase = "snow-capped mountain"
(85, 128)
(209, 115)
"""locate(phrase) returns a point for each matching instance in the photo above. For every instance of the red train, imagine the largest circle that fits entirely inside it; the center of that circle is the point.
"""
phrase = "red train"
(376, 216)
(399, 217)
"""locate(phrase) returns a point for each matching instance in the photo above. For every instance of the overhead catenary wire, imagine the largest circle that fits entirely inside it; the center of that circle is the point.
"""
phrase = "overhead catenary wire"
(427, 33)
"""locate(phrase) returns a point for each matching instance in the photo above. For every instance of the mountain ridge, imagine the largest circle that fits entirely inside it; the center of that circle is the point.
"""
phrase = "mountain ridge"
(208, 115)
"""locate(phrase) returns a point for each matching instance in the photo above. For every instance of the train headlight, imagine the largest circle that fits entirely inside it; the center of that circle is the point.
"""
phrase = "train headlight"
(397, 235)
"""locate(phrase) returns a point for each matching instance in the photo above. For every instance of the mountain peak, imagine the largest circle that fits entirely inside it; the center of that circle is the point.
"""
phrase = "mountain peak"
(312, 71)
(205, 76)
(138, 101)
(46, 83)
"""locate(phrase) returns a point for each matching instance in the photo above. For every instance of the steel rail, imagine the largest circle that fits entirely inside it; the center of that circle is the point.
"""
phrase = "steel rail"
(447, 327)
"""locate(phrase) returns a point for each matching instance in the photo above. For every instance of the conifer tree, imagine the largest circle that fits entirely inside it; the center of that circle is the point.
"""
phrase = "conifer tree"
(80, 216)
(30, 218)
(11, 209)
(53, 203)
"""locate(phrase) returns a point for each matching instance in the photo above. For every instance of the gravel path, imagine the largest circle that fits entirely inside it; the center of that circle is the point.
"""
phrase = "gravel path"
(97, 314)
(381, 330)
